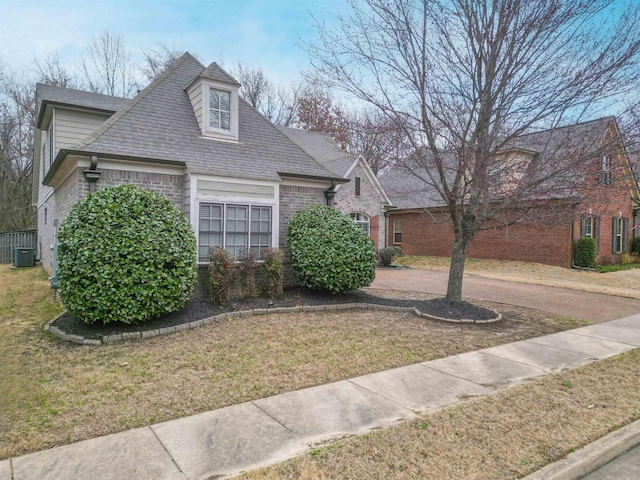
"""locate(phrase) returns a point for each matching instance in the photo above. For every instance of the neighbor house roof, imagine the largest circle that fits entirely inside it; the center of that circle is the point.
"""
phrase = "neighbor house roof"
(546, 147)
(62, 96)
(323, 148)
(160, 124)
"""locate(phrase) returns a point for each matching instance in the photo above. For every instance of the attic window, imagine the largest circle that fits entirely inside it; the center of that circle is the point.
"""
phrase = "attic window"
(219, 109)
(606, 178)
(357, 186)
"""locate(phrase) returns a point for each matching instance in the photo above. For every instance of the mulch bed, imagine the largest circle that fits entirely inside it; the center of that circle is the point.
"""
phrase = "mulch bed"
(198, 309)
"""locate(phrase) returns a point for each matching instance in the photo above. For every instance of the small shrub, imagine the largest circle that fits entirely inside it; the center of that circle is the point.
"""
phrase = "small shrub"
(247, 266)
(220, 275)
(386, 256)
(398, 251)
(125, 254)
(605, 260)
(271, 277)
(635, 245)
(586, 252)
(624, 259)
(329, 251)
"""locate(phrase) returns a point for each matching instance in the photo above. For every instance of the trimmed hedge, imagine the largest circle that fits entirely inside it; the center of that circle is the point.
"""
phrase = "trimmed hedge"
(125, 254)
(586, 252)
(329, 251)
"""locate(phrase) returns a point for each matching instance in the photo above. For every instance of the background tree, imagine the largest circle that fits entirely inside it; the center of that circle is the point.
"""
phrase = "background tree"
(319, 112)
(157, 60)
(278, 103)
(379, 139)
(467, 77)
(107, 67)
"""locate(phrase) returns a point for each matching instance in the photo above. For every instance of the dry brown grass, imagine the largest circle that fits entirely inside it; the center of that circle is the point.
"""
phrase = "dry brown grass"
(624, 283)
(54, 392)
(504, 436)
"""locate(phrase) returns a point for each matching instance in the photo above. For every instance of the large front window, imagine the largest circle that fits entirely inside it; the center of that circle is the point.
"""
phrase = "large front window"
(220, 109)
(234, 227)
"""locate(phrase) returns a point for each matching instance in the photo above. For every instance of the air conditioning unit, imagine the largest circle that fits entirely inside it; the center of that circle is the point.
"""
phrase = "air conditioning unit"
(24, 257)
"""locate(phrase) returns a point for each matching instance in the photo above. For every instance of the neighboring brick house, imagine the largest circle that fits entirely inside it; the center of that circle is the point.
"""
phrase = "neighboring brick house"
(604, 207)
(189, 136)
(363, 198)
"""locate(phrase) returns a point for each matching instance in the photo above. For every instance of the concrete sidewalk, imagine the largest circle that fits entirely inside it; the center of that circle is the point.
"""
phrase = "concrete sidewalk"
(246, 436)
(594, 307)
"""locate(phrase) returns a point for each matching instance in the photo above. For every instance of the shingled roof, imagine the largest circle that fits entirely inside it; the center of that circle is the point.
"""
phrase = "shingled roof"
(407, 191)
(323, 148)
(160, 124)
(215, 72)
(76, 98)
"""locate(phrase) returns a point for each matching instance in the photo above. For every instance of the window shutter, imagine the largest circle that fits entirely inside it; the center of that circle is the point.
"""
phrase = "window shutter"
(583, 226)
(596, 233)
(613, 235)
(625, 234)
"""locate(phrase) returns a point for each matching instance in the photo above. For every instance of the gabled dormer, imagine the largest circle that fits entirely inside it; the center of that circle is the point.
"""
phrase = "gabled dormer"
(214, 97)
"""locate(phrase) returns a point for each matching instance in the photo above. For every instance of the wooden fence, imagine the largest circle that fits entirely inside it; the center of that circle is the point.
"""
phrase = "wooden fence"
(12, 240)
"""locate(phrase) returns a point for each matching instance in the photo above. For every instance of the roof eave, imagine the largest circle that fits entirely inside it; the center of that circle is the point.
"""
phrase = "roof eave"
(64, 153)
(336, 180)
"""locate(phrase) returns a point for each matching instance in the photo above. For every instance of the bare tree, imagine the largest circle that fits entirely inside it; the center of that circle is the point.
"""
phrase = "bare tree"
(379, 139)
(50, 70)
(278, 103)
(157, 60)
(108, 68)
(17, 119)
(468, 77)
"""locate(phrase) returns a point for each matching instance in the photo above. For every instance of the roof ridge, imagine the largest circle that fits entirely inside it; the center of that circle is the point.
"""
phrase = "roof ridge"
(280, 132)
(102, 129)
(608, 117)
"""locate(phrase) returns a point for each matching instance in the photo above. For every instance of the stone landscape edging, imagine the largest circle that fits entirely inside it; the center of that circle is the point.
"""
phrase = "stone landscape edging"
(121, 337)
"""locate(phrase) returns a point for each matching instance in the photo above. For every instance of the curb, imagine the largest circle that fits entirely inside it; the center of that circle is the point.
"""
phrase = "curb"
(591, 457)
(120, 337)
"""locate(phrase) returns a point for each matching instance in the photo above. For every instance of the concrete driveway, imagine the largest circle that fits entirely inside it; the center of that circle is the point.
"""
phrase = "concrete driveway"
(587, 306)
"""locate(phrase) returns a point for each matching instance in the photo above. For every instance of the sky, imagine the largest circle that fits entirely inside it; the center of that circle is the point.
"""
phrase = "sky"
(261, 33)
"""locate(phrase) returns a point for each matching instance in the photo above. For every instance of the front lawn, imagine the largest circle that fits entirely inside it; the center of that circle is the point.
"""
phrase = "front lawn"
(54, 392)
(616, 268)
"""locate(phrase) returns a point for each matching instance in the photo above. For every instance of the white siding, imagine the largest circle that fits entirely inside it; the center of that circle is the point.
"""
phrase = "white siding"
(44, 192)
(195, 95)
(72, 126)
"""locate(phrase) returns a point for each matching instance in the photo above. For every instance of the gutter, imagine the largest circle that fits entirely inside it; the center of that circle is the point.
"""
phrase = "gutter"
(336, 180)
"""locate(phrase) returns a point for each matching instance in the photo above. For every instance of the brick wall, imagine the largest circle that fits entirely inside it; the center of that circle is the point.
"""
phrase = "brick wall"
(368, 202)
(426, 234)
(606, 202)
(293, 200)
(76, 187)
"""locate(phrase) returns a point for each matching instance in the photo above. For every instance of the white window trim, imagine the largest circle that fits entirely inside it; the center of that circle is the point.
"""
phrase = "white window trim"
(395, 231)
(589, 223)
(196, 200)
(231, 135)
(619, 226)
(361, 222)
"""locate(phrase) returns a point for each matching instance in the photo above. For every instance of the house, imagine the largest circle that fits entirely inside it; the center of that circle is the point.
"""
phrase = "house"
(599, 200)
(189, 136)
(363, 198)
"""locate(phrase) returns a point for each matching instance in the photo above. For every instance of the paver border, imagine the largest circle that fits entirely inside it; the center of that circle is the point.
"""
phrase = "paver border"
(121, 337)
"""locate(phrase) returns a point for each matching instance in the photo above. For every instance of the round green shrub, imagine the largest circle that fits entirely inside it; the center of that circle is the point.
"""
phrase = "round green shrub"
(635, 245)
(329, 251)
(125, 254)
(586, 252)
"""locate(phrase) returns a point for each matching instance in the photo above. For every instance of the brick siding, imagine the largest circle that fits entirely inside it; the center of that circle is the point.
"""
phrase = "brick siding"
(293, 200)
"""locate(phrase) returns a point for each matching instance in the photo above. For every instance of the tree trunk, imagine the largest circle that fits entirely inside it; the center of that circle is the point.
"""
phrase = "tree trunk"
(458, 257)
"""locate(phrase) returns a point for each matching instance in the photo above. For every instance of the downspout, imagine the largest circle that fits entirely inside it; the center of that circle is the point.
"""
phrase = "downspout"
(92, 174)
(330, 193)
(573, 253)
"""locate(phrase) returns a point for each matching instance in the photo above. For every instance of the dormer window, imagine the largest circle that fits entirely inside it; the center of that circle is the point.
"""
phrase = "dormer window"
(219, 109)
